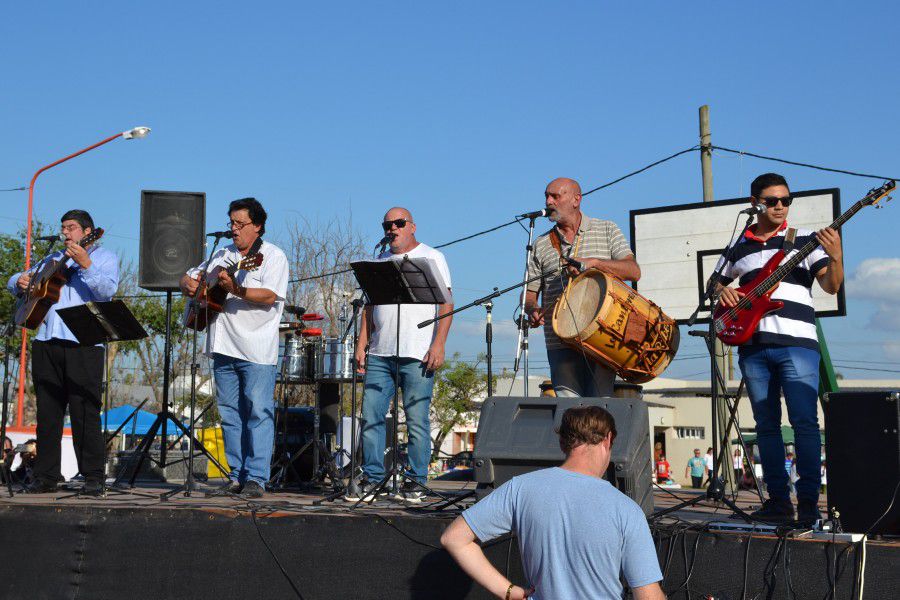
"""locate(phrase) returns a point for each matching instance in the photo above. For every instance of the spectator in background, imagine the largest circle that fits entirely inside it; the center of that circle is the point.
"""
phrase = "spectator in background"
(6, 459)
(662, 469)
(737, 462)
(824, 472)
(710, 463)
(696, 466)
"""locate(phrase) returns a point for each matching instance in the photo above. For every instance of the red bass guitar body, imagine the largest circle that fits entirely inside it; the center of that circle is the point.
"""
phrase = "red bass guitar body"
(736, 325)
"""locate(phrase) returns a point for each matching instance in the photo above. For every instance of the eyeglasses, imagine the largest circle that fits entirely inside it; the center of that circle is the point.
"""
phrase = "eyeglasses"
(400, 223)
(772, 201)
(237, 225)
(74, 227)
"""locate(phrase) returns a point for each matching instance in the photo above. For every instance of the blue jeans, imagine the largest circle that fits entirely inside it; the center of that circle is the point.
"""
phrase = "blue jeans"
(417, 385)
(245, 393)
(769, 370)
(584, 376)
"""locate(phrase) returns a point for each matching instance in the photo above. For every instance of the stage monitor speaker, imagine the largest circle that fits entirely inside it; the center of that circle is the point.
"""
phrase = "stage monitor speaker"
(518, 435)
(172, 237)
(862, 444)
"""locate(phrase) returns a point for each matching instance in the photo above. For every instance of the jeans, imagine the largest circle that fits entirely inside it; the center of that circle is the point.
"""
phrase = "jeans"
(769, 370)
(417, 385)
(583, 375)
(245, 393)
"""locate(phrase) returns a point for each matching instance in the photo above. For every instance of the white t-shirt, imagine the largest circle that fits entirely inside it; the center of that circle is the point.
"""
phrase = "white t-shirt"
(709, 461)
(414, 342)
(243, 329)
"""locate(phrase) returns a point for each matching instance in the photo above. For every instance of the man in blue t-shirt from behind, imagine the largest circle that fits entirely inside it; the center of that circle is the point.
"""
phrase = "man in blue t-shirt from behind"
(577, 533)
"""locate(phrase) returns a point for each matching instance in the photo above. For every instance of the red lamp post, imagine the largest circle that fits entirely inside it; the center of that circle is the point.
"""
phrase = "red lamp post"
(136, 133)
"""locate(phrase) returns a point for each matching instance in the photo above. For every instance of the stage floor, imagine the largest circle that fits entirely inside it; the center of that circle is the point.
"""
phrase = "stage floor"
(135, 545)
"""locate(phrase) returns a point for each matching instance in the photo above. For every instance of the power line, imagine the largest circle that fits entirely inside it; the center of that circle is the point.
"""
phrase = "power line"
(642, 169)
(800, 164)
(18, 189)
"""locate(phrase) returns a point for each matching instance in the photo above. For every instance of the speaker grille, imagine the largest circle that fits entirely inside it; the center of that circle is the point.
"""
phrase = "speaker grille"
(172, 234)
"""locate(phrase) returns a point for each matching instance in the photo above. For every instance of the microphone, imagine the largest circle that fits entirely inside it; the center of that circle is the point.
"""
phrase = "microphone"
(387, 239)
(295, 310)
(756, 209)
(544, 212)
(221, 234)
(575, 263)
(50, 238)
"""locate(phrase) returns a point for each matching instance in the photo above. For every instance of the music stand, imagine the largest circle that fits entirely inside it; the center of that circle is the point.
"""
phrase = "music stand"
(95, 323)
(405, 281)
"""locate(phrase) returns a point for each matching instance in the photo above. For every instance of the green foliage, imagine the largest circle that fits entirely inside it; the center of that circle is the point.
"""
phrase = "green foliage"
(458, 384)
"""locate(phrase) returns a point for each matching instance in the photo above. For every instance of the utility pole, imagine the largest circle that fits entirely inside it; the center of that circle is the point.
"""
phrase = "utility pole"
(721, 356)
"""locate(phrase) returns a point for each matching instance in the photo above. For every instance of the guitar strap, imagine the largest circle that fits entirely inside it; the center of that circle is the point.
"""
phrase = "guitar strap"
(789, 236)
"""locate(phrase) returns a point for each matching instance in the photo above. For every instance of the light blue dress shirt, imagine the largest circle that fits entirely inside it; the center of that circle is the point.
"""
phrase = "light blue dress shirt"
(97, 283)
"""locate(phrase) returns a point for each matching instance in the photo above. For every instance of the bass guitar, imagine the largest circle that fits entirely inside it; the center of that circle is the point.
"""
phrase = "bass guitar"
(46, 282)
(210, 298)
(736, 325)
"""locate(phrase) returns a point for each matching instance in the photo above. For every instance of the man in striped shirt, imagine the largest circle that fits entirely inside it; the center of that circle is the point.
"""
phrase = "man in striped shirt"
(783, 355)
(594, 243)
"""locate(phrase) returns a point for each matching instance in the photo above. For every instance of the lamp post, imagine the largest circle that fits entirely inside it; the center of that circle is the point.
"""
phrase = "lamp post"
(136, 133)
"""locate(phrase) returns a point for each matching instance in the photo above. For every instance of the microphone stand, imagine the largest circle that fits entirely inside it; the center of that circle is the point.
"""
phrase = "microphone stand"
(716, 490)
(522, 321)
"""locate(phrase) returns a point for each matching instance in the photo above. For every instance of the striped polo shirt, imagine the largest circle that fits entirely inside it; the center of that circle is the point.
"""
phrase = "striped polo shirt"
(595, 238)
(795, 323)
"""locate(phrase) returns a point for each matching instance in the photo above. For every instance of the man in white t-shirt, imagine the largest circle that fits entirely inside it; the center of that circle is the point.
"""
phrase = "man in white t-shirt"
(421, 354)
(243, 342)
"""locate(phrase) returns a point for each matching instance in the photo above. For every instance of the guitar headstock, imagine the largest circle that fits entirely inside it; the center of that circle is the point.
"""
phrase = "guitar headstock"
(875, 195)
(91, 238)
(250, 263)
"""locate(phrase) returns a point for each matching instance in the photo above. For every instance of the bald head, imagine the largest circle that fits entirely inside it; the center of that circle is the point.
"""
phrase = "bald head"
(398, 212)
(569, 184)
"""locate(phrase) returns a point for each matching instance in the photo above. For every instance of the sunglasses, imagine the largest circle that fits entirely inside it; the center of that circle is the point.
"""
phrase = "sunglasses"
(772, 201)
(400, 223)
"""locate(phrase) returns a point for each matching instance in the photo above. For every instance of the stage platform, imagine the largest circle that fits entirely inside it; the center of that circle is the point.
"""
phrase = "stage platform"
(285, 546)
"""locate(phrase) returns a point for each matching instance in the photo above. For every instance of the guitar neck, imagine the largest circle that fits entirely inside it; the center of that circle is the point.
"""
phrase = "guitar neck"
(782, 271)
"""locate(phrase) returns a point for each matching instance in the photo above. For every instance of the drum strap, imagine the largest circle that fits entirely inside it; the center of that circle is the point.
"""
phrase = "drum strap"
(556, 242)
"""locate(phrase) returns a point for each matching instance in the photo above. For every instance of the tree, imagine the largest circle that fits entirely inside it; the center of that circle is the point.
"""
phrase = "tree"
(320, 248)
(150, 311)
(458, 384)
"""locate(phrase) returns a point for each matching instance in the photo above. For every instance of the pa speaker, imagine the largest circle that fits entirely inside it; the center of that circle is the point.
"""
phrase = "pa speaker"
(862, 442)
(172, 235)
(518, 435)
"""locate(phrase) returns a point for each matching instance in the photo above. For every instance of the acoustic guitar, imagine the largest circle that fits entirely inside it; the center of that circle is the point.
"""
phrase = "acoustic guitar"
(210, 298)
(736, 325)
(46, 282)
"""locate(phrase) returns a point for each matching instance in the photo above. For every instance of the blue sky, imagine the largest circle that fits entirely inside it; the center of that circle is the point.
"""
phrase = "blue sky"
(461, 111)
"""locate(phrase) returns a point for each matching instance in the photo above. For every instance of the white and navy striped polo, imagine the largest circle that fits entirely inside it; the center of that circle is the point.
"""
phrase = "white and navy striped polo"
(795, 323)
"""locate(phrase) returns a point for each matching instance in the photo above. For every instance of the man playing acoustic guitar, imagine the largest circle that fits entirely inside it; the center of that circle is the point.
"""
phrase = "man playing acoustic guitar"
(64, 372)
(243, 342)
(783, 354)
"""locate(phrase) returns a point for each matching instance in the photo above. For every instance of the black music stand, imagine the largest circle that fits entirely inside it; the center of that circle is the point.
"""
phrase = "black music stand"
(101, 323)
(406, 281)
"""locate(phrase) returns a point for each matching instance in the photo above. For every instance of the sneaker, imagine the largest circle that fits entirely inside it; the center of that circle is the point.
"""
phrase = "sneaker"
(253, 490)
(40, 487)
(230, 488)
(360, 489)
(774, 510)
(808, 512)
(410, 492)
(92, 487)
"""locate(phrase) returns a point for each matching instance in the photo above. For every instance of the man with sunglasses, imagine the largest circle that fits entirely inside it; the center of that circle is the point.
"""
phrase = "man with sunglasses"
(594, 243)
(421, 354)
(783, 355)
(65, 373)
(243, 343)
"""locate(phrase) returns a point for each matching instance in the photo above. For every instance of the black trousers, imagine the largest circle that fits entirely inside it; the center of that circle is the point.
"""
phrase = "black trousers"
(67, 374)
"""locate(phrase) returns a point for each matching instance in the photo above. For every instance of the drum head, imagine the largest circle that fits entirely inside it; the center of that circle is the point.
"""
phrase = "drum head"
(579, 306)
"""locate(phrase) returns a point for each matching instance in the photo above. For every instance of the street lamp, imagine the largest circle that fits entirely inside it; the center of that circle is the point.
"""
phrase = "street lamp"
(136, 133)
